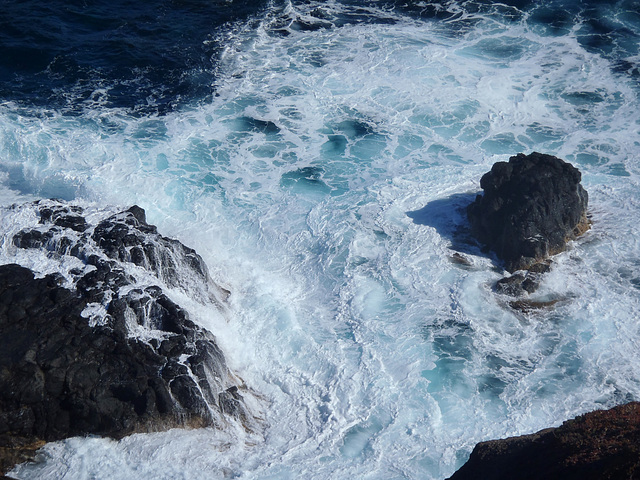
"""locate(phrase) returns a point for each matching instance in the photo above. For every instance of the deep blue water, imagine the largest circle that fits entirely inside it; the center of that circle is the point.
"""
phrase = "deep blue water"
(149, 56)
(158, 56)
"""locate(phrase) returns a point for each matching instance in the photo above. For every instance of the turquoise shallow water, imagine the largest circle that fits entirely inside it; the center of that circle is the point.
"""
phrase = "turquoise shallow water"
(322, 175)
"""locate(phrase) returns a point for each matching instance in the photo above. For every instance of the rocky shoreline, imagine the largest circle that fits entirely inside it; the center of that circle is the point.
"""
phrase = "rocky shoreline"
(101, 350)
(531, 207)
(601, 445)
(96, 348)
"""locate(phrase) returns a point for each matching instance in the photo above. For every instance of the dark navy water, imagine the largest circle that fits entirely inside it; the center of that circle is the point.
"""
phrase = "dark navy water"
(144, 56)
(319, 156)
(157, 56)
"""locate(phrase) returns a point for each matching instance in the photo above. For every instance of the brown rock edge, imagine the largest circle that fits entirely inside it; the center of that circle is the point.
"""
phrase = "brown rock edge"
(15, 450)
(601, 445)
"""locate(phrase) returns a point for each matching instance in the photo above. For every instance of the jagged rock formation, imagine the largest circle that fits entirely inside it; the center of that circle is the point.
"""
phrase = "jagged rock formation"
(531, 207)
(97, 351)
(601, 445)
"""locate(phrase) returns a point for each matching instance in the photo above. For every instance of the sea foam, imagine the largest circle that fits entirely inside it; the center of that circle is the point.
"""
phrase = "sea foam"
(377, 356)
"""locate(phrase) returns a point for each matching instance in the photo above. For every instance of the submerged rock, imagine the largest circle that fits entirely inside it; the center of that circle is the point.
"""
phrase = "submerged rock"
(517, 284)
(601, 445)
(523, 283)
(531, 207)
(97, 351)
(529, 305)
(460, 259)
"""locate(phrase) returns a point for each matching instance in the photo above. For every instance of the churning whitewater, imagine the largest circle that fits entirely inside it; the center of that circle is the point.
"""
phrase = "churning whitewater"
(320, 156)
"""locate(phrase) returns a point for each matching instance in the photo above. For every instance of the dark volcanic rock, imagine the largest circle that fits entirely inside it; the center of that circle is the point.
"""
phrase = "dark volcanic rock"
(531, 207)
(123, 237)
(601, 445)
(529, 305)
(517, 284)
(99, 352)
(61, 377)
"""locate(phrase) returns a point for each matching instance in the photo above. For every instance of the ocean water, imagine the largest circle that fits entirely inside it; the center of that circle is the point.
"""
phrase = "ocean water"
(319, 156)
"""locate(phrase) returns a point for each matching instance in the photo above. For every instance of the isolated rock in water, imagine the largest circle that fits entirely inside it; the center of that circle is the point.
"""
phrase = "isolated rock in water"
(601, 445)
(98, 350)
(532, 205)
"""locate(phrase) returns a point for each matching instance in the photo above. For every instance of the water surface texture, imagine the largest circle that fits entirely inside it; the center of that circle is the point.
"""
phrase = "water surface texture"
(319, 156)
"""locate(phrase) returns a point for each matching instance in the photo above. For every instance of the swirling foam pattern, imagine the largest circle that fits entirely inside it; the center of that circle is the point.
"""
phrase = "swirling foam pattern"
(318, 156)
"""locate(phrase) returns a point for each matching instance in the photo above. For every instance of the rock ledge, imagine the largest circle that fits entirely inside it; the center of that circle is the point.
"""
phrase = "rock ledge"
(601, 445)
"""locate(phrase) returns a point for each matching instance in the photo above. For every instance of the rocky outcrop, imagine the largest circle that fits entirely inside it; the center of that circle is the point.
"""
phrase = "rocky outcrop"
(531, 207)
(601, 445)
(98, 348)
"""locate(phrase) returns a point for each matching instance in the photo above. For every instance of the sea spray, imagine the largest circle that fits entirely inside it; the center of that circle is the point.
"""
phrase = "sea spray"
(329, 124)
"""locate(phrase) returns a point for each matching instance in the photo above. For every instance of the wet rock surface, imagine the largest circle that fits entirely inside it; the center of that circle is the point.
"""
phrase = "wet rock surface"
(601, 445)
(521, 284)
(531, 207)
(517, 284)
(99, 352)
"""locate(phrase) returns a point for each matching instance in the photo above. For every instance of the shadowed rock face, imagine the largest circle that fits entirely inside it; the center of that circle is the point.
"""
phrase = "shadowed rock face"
(601, 445)
(532, 205)
(103, 353)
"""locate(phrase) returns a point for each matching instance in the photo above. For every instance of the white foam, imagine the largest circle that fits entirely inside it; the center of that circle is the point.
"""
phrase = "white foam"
(376, 355)
(96, 313)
